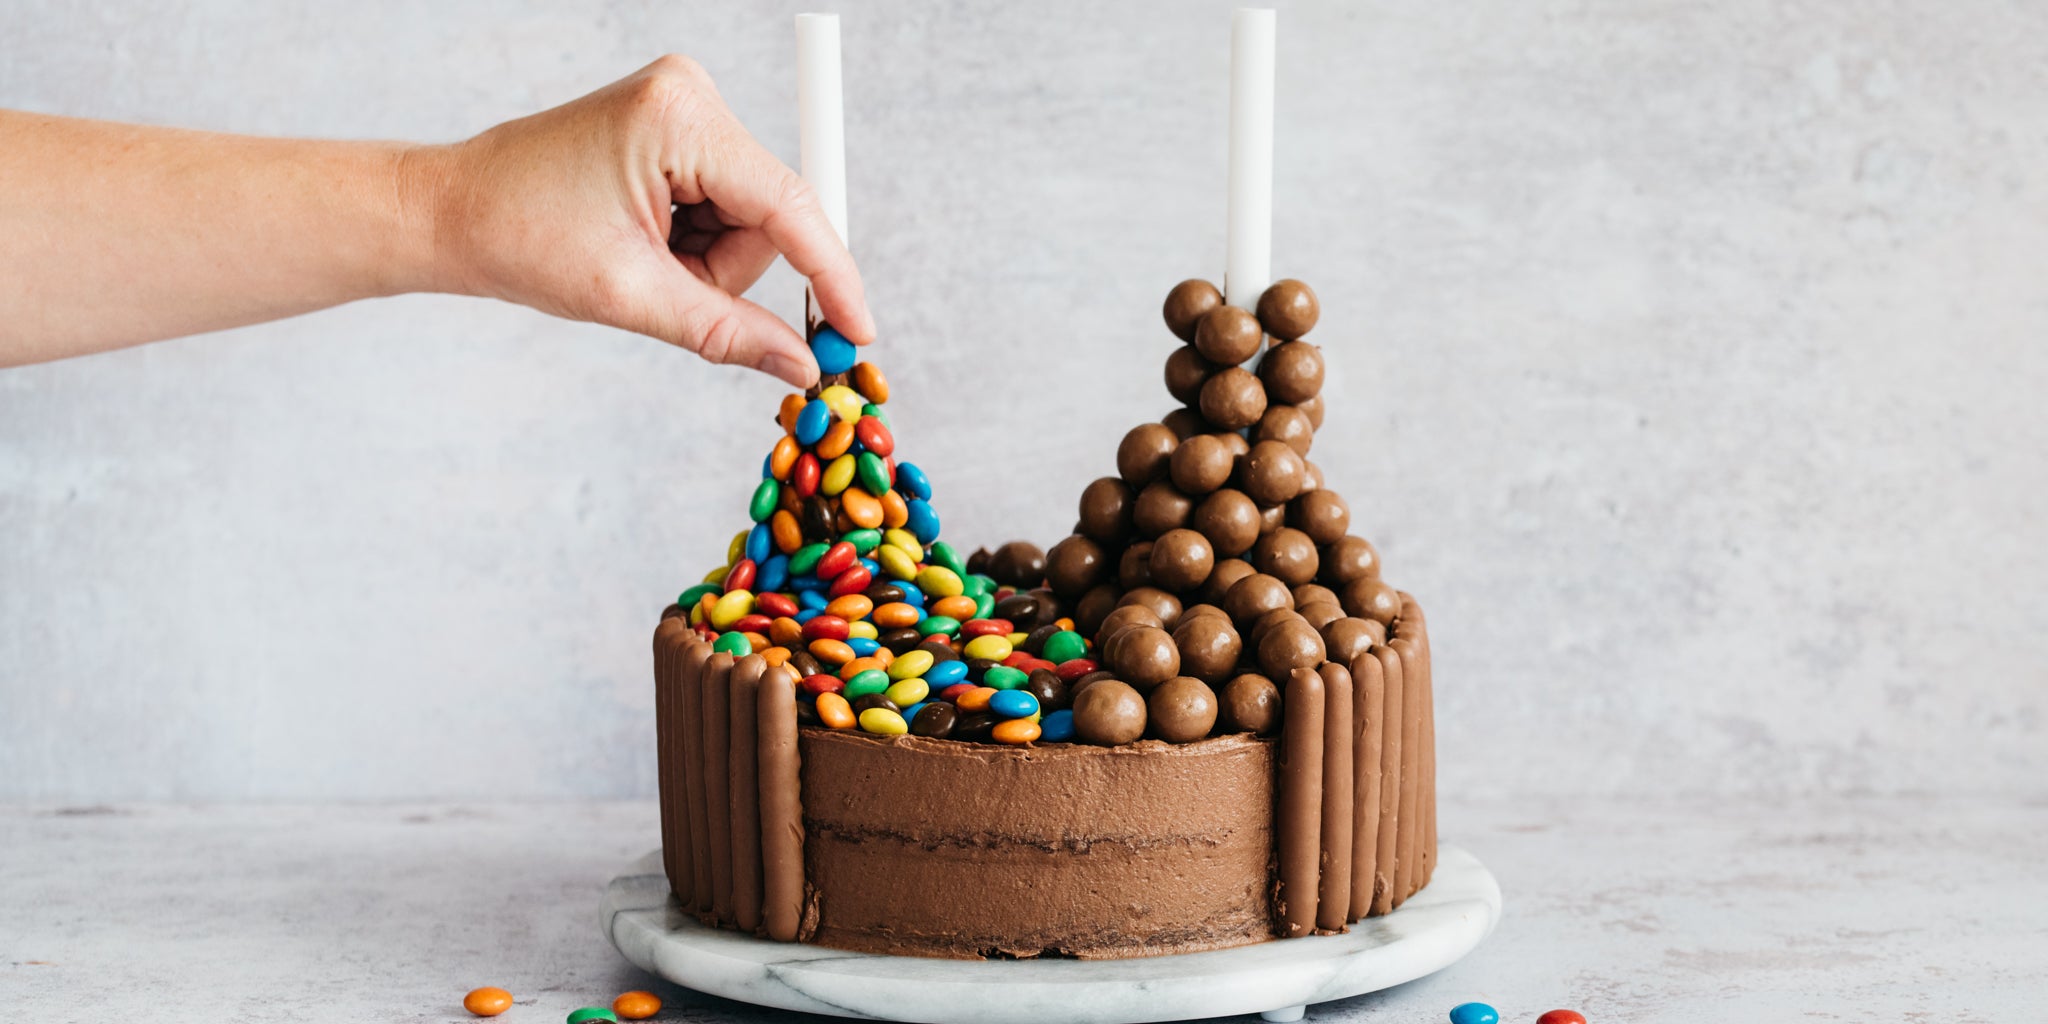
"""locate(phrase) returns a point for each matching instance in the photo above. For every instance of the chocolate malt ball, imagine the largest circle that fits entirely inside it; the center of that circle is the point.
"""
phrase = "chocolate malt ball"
(1292, 372)
(1289, 646)
(1196, 611)
(1372, 598)
(1185, 372)
(1108, 712)
(1271, 517)
(1349, 558)
(1106, 510)
(1162, 604)
(1075, 564)
(1272, 473)
(1134, 569)
(1093, 605)
(1320, 614)
(1313, 481)
(1287, 424)
(1249, 703)
(1232, 398)
(1235, 442)
(1121, 618)
(1323, 515)
(1226, 574)
(1267, 622)
(1254, 596)
(1228, 336)
(1181, 710)
(1287, 555)
(1185, 423)
(1209, 645)
(1144, 656)
(1141, 457)
(1288, 309)
(1310, 593)
(1019, 563)
(1313, 409)
(1161, 508)
(1201, 464)
(1230, 521)
(1181, 560)
(1187, 303)
(1348, 637)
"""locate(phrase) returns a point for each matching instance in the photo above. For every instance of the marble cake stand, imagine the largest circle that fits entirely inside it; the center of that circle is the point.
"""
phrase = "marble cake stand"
(1278, 980)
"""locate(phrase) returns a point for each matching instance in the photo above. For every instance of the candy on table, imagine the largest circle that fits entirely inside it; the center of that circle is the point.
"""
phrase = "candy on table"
(1474, 1013)
(488, 1001)
(1562, 1017)
(590, 1013)
(636, 1005)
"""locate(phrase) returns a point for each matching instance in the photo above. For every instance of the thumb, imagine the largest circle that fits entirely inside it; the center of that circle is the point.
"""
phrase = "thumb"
(663, 300)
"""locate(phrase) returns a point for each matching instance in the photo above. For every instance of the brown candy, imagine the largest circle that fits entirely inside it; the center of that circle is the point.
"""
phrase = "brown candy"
(1254, 596)
(1106, 510)
(1161, 508)
(1230, 521)
(1162, 604)
(1272, 472)
(1228, 336)
(1185, 372)
(1236, 443)
(1286, 424)
(1023, 611)
(1201, 611)
(1271, 517)
(1181, 560)
(1320, 613)
(1046, 685)
(1313, 409)
(1371, 598)
(1108, 712)
(1093, 605)
(1268, 622)
(1348, 637)
(1323, 515)
(1286, 554)
(1249, 703)
(1074, 565)
(1351, 558)
(1201, 464)
(1144, 656)
(1289, 646)
(1314, 480)
(1232, 398)
(1185, 423)
(1187, 303)
(1209, 644)
(1018, 563)
(1141, 457)
(1288, 309)
(1226, 574)
(1307, 594)
(1121, 618)
(1181, 710)
(1134, 569)
(1292, 372)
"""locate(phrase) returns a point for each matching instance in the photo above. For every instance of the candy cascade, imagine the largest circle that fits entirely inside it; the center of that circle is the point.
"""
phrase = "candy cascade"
(843, 580)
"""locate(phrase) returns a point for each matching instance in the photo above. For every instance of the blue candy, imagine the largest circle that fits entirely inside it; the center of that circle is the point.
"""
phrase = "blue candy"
(1474, 1013)
(767, 464)
(862, 646)
(923, 521)
(945, 674)
(1057, 727)
(911, 595)
(806, 583)
(804, 615)
(1014, 704)
(911, 711)
(812, 422)
(912, 481)
(812, 599)
(835, 353)
(774, 573)
(760, 544)
(873, 567)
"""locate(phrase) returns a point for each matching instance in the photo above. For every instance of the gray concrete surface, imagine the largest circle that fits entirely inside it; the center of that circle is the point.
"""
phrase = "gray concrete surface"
(1686, 362)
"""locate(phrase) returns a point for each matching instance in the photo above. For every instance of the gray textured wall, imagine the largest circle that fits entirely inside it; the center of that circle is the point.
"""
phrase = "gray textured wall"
(1686, 361)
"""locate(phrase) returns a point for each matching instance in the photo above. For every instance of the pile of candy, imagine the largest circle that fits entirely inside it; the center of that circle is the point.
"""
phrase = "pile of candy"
(844, 579)
(491, 1001)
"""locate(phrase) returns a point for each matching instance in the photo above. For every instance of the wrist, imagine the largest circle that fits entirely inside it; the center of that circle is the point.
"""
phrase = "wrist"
(425, 257)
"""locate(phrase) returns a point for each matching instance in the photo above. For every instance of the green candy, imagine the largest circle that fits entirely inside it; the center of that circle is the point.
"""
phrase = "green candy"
(695, 594)
(871, 409)
(763, 503)
(984, 605)
(733, 642)
(942, 553)
(590, 1013)
(806, 558)
(1065, 646)
(863, 541)
(872, 474)
(976, 586)
(1003, 677)
(933, 624)
(873, 680)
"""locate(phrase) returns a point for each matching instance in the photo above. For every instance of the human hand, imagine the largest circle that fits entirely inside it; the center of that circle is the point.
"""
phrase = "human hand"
(644, 205)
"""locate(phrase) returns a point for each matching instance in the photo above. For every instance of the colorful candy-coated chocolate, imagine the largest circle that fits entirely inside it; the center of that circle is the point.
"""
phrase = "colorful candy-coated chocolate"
(1013, 704)
(691, 596)
(1016, 731)
(741, 576)
(988, 648)
(868, 380)
(874, 435)
(835, 712)
(923, 522)
(852, 581)
(951, 692)
(883, 722)
(873, 477)
(939, 580)
(775, 605)
(753, 622)
(911, 665)
(834, 353)
(864, 683)
(1057, 727)
(864, 541)
(942, 553)
(590, 1013)
(835, 560)
(860, 507)
(896, 563)
(936, 624)
(987, 627)
(759, 544)
(946, 674)
(1064, 646)
(782, 458)
(844, 402)
(897, 537)
(914, 483)
(487, 1001)
(774, 575)
(812, 423)
(851, 607)
(1474, 1013)
(636, 1005)
(906, 692)
(825, 627)
(976, 699)
(1562, 1017)
(822, 683)
(838, 476)
(762, 504)
(731, 605)
(734, 643)
(786, 414)
(831, 652)
(838, 440)
(804, 478)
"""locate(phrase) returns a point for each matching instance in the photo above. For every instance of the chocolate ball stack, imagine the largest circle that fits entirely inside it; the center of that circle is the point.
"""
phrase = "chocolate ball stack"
(1216, 562)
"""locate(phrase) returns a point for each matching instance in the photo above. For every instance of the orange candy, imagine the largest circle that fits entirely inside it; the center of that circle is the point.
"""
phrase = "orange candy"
(1016, 731)
(859, 665)
(896, 615)
(787, 533)
(1064, 623)
(851, 607)
(785, 632)
(487, 1001)
(835, 712)
(636, 1005)
(755, 641)
(791, 405)
(976, 699)
(870, 383)
(775, 656)
(783, 458)
(959, 606)
(864, 509)
(831, 652)
(838, 440)
(895, 511)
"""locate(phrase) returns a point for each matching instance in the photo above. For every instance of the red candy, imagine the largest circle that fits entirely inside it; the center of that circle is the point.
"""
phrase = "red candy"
(806, 475)
(953, 692)
(1562, 1017)
(874, 436)
(776, 606)
(742, 576)
(1075, 669)
(987, 627)
(1017, 658)
(836, 560)
(815, 685)
(826, 627)
(753, 623)
(852, 581)
(1034, 664)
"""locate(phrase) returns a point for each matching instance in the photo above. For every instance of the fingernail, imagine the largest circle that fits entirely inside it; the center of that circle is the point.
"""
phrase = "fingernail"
(799, 372)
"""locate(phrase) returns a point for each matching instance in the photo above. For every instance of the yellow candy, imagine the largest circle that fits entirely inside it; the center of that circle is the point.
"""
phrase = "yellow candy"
(905, 541)
(864, 630)
(737, 549)
(910, 664)
(896, 562)
(905, 692)
(939, 581)
(730, 608)
(838, 475)
(697, 616)
(717, 575)
(884, 722)
(844, 401)
(1017, 639)
(988, 648)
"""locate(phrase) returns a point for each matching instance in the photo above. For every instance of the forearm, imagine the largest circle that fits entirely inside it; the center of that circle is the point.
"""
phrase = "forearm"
(120, 234)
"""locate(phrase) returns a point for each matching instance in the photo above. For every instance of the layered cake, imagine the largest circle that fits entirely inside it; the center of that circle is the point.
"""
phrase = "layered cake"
(1202, 720)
